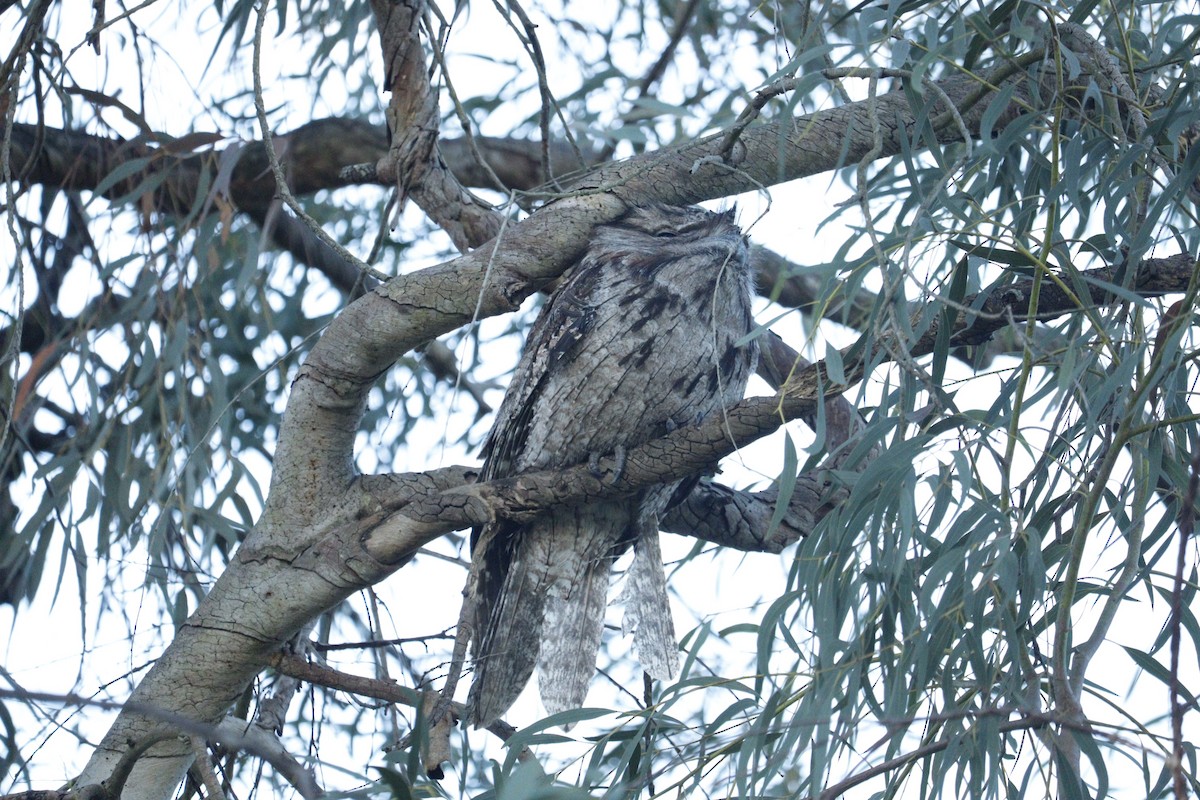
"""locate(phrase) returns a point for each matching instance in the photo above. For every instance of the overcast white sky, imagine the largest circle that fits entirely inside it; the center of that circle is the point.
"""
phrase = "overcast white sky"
(43, 641)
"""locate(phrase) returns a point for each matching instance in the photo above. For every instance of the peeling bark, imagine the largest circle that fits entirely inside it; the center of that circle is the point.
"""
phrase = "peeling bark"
(328, 532)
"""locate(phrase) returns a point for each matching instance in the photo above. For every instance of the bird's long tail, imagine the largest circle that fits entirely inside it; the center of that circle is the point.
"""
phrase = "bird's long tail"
(508, 631)
(648, 610)
(574, 622)
(550, 610)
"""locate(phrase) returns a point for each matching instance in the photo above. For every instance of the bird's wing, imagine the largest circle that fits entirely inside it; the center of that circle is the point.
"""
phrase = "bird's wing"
(559, 328)
(580, 542)
(647, 606)
(510, 576)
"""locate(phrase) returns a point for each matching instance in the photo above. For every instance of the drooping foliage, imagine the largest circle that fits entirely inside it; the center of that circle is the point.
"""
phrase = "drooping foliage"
(997, 288)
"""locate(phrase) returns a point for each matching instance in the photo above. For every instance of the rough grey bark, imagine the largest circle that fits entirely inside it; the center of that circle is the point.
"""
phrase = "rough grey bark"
(313, 468)
(641, 338)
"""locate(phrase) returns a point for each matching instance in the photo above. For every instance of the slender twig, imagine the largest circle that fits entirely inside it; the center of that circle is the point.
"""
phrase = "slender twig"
(464, 120)
(13, 350)
(655, 73)
(281, 184)
(660, 66)
(1026, 722)
(534, 47)
(94, 33)
(14, 62)
(249, 740)
(320, 675)
(320, 647)
(1116, 595)
(202, 770)
(1187, 519)
(751, 112)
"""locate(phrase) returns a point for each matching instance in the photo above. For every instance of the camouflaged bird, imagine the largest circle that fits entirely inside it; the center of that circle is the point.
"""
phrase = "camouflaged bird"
(641, 337)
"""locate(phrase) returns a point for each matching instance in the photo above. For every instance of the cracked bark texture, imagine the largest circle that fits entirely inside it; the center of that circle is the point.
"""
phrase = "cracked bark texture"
(327, 532)
(414, 162)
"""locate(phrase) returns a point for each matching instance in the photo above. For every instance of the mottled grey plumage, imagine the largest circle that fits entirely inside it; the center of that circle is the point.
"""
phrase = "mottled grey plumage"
(639, 339)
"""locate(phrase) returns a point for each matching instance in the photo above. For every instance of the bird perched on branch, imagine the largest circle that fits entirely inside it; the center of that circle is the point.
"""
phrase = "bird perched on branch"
(641, 337)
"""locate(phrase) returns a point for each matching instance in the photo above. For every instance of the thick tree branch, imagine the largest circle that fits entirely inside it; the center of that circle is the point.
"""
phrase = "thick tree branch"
(308, 550)
(1003, 303)
(316, 154)
(697, 448)
(790, 284)
(377, 329)
(285, 588)
(413, 161)
(742, 520)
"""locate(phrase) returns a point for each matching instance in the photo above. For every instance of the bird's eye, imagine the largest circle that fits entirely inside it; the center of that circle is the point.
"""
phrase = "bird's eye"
(665, 234)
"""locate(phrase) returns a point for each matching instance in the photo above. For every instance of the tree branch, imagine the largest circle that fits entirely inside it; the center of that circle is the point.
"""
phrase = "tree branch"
(322, 532)
(696, 449)
(413, 161)
(412, 309)
(389, 692)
